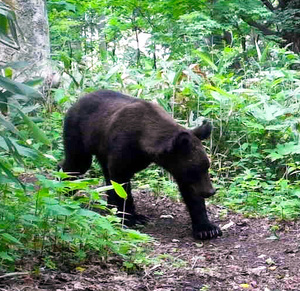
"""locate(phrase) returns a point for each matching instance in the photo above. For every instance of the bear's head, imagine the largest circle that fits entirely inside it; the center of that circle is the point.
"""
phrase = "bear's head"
(185, 158)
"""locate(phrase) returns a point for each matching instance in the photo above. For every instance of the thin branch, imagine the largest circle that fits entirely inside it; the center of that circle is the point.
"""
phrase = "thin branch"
(264, 29)
(9, 44)
(268, 5)
(14, 274)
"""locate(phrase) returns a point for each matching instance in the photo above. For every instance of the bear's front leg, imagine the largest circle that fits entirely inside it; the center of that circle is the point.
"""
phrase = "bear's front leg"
(202, 227)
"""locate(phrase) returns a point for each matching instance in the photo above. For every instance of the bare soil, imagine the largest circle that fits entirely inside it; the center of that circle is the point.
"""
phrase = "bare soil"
(252, 254)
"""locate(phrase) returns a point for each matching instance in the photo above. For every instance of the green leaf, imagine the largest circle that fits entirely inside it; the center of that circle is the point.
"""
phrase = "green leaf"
(87, 213)
(9, 238)
(207, 60)
(8, 124)
(220, 91)
(119, 189)
(6, 256)
(8, 72)
(274, 156)
(12, 149)
(277, 127)
(177, 76)
(254, 125)
(112, 71)
(59, 210)
(18, 88)
(66, 237)
(10, 175)
(288, 148)
(34, 82)
(30, 217)
(136, 235)
(37, 134)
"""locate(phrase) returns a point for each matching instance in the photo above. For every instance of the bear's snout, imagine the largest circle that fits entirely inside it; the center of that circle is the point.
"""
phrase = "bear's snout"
(210, 192)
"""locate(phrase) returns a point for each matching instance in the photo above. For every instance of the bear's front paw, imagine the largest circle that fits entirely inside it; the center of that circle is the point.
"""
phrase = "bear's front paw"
(206, 231)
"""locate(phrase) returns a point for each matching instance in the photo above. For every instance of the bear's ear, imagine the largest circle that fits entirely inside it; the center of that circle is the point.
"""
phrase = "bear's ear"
(183, 142)
(179, 141)
(203, 131)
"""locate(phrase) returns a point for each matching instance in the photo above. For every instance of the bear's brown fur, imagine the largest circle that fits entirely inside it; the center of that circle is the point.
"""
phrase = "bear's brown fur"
(126, 135)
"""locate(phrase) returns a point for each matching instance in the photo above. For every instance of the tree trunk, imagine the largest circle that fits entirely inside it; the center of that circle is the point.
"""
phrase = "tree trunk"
(35, 43)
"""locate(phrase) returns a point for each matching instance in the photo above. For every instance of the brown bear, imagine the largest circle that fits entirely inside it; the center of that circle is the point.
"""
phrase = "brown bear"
(127, 134)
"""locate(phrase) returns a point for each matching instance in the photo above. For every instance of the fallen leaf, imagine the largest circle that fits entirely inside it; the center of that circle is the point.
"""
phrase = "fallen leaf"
(199, 245)
(166, 216)
(245, 286)
(226, 226)
(80, 269)
(270, 262)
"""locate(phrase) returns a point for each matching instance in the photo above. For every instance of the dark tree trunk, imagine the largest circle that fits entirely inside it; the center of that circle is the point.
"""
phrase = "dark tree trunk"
(294, 40)
(154, 57)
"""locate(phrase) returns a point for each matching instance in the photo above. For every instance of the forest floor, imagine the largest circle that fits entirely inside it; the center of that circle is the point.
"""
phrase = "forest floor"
(249, 256)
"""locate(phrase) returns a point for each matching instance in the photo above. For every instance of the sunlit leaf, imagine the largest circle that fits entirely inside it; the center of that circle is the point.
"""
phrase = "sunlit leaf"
(119, 189)
(206, 59)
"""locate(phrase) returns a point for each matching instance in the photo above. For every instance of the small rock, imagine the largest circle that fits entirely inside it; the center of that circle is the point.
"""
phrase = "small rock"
(257, 271)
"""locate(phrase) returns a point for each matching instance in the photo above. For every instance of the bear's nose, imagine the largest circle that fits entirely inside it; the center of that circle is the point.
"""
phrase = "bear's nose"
(211, 192)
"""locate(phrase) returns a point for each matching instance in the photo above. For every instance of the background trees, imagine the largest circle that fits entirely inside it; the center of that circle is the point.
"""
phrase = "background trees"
(179, 26)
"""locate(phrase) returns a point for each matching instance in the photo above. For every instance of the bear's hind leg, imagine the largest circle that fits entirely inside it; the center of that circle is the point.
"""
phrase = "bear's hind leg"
(131, 217)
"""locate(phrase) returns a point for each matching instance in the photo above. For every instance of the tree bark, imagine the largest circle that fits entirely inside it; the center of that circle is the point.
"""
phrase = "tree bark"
(35, 44)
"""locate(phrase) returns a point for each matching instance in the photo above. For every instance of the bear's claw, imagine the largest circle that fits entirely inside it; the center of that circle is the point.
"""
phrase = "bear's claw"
(206, 231)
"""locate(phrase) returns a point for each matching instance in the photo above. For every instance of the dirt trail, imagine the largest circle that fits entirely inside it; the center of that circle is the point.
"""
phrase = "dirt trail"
(247, 257)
